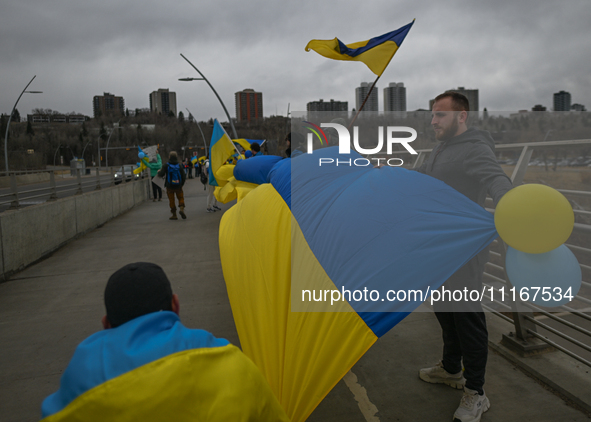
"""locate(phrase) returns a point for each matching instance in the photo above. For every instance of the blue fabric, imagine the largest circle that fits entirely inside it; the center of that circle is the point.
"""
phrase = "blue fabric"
(280, 178)
(256, 169)
(256, 141)
(382, 229)
(397, 36)
(110, 353)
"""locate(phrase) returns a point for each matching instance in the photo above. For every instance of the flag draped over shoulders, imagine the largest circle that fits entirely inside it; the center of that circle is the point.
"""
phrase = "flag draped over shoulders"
(153, 367)
(376, 52)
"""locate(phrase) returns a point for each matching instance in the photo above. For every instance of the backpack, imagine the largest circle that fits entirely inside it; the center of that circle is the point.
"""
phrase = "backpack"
(173, 176)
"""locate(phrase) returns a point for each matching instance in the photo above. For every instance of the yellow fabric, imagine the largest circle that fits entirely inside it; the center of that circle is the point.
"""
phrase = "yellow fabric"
(225, 193)
(224, 173)
(141, 168)
(229, 188)
(220, 152)
(244, 188)
(302, 354)
(209, 384)
(377, 58)
(243, 143)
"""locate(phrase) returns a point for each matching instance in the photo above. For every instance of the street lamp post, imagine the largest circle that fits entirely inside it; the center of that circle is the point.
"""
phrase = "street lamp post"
(107, 148)
(10, 118)
(202, 135)
(84, 149)
(203, 78)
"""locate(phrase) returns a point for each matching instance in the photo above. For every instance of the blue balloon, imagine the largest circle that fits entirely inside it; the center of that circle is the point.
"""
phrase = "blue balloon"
(546, 279)
(141, 155)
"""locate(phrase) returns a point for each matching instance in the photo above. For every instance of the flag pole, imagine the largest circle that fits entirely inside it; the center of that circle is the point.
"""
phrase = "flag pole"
(364, 101)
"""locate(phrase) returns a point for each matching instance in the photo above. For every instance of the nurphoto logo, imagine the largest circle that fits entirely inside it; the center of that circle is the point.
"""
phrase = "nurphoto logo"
(345, 144)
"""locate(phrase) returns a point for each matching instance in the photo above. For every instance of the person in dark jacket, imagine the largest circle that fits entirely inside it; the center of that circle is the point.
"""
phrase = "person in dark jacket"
(173, 189)
(465, 160)
(154, 167)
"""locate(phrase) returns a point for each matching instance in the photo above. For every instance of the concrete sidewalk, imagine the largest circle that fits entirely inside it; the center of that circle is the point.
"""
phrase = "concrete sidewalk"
(47, 309)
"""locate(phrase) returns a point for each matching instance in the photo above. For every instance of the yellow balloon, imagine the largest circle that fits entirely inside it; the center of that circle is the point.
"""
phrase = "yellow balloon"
(534, 218)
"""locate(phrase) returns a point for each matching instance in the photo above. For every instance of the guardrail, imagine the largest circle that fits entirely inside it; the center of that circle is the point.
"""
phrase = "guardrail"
(565, 328)
(29, 233)
(31, 188)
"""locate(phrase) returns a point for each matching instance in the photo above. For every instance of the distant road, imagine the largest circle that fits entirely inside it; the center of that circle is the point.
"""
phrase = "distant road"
(66, 185)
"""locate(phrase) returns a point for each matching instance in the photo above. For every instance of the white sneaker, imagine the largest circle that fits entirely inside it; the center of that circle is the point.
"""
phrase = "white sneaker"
(438, 375)
(472, 406)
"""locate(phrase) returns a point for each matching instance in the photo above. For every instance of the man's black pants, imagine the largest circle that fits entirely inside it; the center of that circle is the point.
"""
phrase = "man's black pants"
(465, 338)
(463, 325)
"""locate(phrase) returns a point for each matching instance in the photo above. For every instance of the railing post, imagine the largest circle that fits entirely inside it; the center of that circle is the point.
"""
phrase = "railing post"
(521, 341)
(79, 178)
(521, 166)
(15, 203)
(53, 195)
(98, 180)
(148, 173)
(112, 176)
(419, 161)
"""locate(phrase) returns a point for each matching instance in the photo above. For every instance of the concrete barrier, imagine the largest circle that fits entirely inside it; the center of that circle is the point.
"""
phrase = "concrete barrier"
(25, 179)
(31, 233)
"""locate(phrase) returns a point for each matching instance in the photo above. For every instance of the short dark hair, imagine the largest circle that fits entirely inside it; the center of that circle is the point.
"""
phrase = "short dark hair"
(137, 289)
(459, 101)
(255, 147)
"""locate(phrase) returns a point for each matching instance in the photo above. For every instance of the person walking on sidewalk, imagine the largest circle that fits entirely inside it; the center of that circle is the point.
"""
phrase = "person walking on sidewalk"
(154, 167)
(465, 160)
(174, 175)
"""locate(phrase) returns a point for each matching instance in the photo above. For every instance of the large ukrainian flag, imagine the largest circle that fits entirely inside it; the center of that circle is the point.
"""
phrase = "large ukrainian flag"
(376, 53)
(328, 229)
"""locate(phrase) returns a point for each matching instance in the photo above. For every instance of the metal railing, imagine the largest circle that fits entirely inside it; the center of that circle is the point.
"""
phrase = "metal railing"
(20, 195)
(564, 328)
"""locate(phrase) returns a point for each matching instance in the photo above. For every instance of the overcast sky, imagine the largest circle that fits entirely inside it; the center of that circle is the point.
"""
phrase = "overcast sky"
(517, 53)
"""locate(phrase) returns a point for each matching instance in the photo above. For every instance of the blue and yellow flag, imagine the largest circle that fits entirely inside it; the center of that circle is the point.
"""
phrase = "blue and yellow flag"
(336, 229)
(153, 368)
(143, 160)
(220, 149)
(376, 53)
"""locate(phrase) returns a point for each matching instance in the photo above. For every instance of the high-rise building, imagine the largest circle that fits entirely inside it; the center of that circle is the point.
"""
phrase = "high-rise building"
(331, 105)
(470, 94)
(107, 104)
(163, 102)
(538, 107)
(361, 92)
(395, 97)
(332, 108)
(562, 101)
(249, 105)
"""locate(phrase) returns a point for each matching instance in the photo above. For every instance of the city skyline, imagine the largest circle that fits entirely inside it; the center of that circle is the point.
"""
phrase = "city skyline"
(395, 90)
(78, 53)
